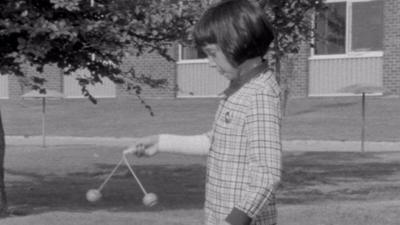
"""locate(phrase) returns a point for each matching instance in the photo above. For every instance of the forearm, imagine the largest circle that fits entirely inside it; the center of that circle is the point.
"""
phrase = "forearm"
(192, 145)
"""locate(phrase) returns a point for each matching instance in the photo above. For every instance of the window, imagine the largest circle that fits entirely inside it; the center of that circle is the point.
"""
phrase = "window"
(331, 30)
(350, 26)
(367, 26)
(190, 53)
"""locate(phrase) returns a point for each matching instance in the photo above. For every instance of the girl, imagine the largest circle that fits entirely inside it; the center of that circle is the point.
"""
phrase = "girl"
(244, 145)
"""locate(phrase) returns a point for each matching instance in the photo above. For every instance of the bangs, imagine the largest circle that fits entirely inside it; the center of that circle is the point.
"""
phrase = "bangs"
(204, 30)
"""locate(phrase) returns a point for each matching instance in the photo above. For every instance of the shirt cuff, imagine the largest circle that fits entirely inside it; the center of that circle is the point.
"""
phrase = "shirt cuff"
(238, 217)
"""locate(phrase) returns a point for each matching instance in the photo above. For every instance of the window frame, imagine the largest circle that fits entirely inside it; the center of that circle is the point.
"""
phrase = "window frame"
(348, 35)
(188, 61)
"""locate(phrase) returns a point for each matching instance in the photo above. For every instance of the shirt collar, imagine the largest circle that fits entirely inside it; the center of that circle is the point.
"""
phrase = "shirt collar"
(245, 77)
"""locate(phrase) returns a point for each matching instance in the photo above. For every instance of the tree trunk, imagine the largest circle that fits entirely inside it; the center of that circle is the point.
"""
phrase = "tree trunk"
(283, 83)
(3, 198)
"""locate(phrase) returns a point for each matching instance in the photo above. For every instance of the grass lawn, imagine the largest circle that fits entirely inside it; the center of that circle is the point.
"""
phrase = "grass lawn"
(306, 118)
(49, 185)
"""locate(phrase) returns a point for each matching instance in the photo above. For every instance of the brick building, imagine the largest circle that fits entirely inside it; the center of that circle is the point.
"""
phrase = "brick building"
(361, 46)
(152, 64)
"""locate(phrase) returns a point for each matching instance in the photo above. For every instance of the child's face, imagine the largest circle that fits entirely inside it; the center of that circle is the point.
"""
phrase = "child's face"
(217, 59)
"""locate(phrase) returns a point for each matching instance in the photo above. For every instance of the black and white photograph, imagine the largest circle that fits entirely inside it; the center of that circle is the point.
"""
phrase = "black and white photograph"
(200, 112)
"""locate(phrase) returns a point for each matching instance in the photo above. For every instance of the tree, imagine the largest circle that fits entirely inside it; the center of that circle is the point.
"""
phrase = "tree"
(75, 34)
(292, 21)
(88, 34)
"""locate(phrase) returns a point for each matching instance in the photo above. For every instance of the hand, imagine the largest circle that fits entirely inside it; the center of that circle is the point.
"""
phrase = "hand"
(145, 146)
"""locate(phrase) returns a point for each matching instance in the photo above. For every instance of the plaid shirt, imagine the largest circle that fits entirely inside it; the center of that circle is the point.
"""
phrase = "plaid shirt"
(244, 161)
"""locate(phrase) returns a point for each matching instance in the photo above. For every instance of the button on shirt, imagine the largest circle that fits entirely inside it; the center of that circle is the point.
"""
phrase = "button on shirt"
(244, 161)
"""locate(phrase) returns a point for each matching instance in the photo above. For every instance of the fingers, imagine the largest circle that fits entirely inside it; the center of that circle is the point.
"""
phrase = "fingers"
(147, 146)
(140, 150)
(137, 149)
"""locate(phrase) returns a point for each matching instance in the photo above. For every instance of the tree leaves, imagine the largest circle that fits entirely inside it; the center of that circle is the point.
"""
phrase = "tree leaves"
(292, 22)
(67, 33)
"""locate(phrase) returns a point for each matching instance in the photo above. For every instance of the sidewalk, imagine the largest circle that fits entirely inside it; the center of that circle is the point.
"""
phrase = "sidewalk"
(292, 145)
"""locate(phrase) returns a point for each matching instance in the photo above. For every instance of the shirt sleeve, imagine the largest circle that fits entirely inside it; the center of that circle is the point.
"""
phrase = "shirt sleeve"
(195, 144)
(262, 127)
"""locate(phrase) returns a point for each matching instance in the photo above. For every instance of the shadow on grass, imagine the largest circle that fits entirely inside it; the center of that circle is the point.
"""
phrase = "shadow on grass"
(331, 167)
(177, 187)
(305, 179)
(310, 177)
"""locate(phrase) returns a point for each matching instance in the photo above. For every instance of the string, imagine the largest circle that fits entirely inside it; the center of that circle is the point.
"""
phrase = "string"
(134, 175)
(110, 175)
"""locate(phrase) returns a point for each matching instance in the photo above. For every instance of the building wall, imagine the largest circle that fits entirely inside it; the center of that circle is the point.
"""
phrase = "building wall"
(50, 73)
(156, 66)
(150, 64)
(391, 60)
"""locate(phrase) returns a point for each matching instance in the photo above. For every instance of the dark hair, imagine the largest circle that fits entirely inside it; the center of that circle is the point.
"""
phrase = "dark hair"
(239, 28)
